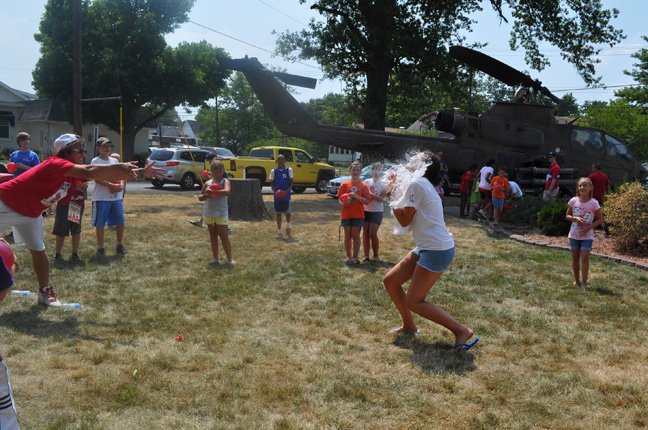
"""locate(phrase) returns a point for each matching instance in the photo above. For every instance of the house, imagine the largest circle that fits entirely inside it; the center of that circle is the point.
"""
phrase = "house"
(10, 101)
(44, 120)
(171, 135)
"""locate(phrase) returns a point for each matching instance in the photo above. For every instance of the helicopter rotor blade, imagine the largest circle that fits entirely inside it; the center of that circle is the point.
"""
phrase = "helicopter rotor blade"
(500, 71)
(245, 67)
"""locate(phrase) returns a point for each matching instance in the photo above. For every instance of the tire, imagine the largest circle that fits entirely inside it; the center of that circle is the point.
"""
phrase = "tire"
(320, 186)
(298, 190)
(188, 181)
(157, 183)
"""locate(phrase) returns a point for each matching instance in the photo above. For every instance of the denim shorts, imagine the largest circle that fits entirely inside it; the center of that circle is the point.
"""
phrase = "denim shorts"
(498, 203)
(352, 222)
(434, 261)
(580, 245)
(373, 217)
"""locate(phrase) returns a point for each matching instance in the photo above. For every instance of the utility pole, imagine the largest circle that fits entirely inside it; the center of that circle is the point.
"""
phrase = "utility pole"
(76, 69)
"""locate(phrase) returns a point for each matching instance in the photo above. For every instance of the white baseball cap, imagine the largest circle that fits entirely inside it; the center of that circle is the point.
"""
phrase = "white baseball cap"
(64, 140)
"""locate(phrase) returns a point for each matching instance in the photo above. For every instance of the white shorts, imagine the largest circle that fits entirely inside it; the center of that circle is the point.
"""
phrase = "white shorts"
(28, 231)
(8, 416)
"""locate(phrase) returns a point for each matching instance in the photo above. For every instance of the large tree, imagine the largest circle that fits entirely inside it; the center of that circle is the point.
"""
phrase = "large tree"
(365, 42)
(637, 95)
(124, 53)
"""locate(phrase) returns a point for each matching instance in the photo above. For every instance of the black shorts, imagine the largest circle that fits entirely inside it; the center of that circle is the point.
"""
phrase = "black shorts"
(63, 226)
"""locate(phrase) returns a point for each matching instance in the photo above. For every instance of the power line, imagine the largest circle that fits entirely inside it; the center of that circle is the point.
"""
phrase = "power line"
(287, 16)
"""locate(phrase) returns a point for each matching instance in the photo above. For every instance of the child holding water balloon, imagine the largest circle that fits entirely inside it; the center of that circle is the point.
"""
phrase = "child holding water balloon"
(585, 214)
(215, 215)
(353, 194)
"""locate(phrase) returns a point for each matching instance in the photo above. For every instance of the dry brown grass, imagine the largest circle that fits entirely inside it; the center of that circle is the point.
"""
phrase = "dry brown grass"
(291, 338)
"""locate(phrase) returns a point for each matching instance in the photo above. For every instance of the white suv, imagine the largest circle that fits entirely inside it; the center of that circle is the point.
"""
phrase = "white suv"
(180, 168)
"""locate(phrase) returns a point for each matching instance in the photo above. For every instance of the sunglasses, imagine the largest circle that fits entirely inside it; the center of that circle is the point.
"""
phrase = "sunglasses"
(81, 151)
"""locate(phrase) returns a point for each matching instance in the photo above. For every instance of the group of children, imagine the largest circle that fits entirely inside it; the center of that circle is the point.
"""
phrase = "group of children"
(484, 191)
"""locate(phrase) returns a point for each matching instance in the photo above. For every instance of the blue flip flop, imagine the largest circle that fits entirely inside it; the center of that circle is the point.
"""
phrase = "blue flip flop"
(397, 331)
(465, 346)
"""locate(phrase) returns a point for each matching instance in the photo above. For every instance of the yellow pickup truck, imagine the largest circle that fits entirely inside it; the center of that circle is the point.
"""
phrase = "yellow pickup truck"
(307, 171)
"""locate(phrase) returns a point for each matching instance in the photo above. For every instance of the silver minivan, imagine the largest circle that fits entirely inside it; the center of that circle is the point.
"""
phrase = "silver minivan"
(183, 166)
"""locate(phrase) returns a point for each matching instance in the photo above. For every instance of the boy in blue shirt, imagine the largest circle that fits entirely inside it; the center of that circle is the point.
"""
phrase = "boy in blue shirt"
(281, 181)
(24, 158)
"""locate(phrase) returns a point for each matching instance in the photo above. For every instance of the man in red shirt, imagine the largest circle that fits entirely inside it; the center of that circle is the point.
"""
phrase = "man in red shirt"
(551, 187)
(465, 186)
(23, 199)
(600, 181)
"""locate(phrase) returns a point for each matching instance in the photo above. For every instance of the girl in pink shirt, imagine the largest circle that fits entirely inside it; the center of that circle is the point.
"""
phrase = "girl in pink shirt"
(585, 214)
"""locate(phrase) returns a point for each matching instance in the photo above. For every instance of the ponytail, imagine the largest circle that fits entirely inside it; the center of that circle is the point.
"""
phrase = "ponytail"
(432, 171)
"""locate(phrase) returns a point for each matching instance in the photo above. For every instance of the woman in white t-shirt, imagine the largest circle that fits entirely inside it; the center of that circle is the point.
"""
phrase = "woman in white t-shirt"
(424, 264)
(485, 176)
(373, 212)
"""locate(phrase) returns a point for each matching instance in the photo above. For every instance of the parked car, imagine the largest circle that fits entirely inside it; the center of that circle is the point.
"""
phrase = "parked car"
(221, 153)
(334, 184)
(179, 166)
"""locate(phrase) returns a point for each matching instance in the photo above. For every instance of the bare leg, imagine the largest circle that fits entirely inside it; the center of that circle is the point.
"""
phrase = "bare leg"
(394, 280)
(227, 246)
(59, 244)
(584, 267)
(375, 243)
(366, 239)
(355, 236)
(40, 261)
(279, 221)
(496, 214)
(422, 282)
(120, 234)
(347, 241)
(75, 240)
(100, 237)
(213, 240)
(576, 267)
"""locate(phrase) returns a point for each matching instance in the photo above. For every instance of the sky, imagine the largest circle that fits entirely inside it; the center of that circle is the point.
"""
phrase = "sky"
(245, 27)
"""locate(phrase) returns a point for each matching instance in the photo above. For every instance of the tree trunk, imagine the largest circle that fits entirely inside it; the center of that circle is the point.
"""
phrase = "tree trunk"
(245, 202)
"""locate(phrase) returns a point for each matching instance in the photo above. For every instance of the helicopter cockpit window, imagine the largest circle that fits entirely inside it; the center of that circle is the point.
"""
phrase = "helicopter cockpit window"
(588, 139)
(617, 149)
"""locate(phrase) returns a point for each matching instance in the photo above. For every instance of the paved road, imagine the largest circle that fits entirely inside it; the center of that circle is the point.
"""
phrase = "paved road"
(145, 187)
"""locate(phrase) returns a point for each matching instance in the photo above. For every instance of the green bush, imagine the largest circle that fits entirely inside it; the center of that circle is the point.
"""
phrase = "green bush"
(526, 211)
(626, 213)
(552, 221)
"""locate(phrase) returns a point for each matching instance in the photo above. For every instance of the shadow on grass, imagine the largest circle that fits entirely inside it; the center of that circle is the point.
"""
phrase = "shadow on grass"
(604, 292)
(67, 264)
(30, 323)
(436, 357)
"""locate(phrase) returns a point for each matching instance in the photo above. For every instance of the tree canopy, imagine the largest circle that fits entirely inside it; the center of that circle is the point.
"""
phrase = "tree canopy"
(124, 53)
(637, 96)
(370, 44)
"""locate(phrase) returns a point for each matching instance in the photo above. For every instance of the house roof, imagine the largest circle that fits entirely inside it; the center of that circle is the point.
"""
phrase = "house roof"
(42, 110)
(14, 95)
(195, 126)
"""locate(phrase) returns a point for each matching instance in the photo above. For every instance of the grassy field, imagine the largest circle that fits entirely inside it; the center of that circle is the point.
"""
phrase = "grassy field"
(291, 338)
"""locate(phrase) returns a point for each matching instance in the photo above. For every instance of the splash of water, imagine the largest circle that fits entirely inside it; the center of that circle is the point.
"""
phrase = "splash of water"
(406, 171)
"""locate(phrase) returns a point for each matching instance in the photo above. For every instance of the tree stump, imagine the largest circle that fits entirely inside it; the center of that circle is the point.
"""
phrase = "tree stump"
(245, 202)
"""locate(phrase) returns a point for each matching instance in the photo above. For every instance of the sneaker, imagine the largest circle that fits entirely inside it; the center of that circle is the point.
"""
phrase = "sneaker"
(75, 257)
(483, 214)
(57, 257)
(121, 250)
(196, 223)
(47, 297)
(101, 252)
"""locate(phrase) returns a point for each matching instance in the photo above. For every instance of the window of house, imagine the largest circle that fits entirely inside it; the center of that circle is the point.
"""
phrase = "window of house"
(4, 128)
